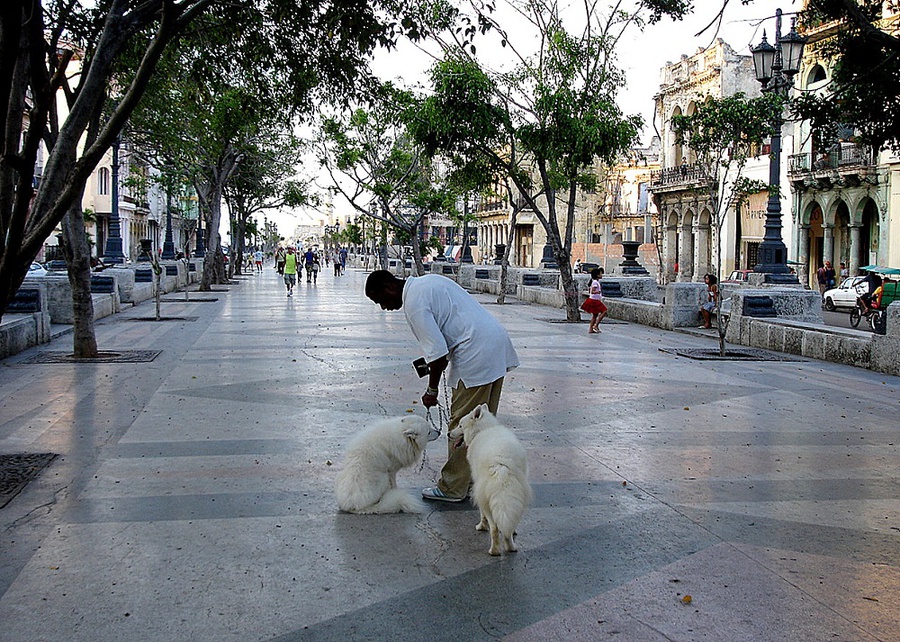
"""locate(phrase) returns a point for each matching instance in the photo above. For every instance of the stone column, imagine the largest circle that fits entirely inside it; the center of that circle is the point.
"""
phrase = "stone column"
(803, 259)
(669, 250)
(828, 245)
(686, 254)
(701, 252)
(854, 250)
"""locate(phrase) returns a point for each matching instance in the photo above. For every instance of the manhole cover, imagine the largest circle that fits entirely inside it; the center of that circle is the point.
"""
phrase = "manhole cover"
(731, 354)
(18, 470)
(106, 356)
(163, 318)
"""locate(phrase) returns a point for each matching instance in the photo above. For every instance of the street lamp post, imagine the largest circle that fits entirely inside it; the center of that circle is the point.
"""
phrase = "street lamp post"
(112, 253)
(775, 68)
(168, 248)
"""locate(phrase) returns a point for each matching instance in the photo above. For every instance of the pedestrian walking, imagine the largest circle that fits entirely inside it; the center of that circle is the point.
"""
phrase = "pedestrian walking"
(458, 337)
(279, 259)
(336, 262)
(593, 304)
(311, 262)
(258, 258)
(290, 270)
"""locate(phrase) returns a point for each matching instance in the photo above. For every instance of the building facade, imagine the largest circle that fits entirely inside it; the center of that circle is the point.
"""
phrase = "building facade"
(692, 244)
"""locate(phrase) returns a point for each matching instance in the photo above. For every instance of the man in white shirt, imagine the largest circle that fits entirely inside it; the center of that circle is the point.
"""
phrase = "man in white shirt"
(460, 337)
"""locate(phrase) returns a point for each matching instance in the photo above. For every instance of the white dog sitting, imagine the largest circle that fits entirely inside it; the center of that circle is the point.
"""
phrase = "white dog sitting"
(368, 482)
(499, 466)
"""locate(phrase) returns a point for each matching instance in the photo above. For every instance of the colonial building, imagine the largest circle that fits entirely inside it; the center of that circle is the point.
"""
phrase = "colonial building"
(679, 188)
(846, 196)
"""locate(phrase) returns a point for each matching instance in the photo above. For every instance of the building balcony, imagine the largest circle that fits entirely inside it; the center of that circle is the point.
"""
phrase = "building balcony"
(845, 165)
(672, 179)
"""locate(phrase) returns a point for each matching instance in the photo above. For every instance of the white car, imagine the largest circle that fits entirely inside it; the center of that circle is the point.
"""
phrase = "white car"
(844, 295)
(36, 269)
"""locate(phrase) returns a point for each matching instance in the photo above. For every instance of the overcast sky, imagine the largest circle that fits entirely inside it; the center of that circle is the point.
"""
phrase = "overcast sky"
(642, 56)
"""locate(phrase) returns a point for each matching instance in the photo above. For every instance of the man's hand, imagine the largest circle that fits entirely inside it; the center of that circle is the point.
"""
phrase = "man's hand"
(429, 400)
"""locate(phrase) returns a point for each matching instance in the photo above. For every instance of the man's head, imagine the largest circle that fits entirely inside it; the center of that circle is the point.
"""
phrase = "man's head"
(290, 250)
(385, 290)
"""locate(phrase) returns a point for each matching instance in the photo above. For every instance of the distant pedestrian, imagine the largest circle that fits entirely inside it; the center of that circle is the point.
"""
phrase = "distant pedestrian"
(594, 305)
(844, 271)
(343, 254)
(279, 259)
(290, 270)
(336, 260)
(311, 262)
(258, 258)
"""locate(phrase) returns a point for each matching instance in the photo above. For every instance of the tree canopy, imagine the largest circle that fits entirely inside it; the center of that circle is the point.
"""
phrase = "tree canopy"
(864, 90)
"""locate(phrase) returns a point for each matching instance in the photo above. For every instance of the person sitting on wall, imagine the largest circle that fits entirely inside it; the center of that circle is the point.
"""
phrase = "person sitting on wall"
(712, 295)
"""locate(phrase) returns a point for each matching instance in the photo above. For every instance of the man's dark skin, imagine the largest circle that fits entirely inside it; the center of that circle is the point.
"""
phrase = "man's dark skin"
(390, 297)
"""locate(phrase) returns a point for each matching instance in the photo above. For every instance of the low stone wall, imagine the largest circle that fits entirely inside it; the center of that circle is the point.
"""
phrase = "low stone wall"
(814, 340)
(59, 299)
(130, 291)
(19, 332)
(22, 330)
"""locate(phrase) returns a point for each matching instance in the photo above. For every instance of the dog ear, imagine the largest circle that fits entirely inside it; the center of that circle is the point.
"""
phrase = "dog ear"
(478, 411)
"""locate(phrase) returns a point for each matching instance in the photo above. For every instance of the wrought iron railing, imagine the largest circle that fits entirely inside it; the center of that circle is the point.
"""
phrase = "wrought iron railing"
(681, 174)
(839, 156)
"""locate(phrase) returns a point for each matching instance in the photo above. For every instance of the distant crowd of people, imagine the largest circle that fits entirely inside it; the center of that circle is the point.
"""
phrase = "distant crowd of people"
(290, 264)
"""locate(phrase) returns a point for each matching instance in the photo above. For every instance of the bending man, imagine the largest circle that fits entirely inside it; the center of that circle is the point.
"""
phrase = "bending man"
(460, 337)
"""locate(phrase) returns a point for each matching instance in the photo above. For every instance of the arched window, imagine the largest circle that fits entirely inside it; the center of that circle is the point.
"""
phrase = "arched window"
(816, 75)
(103, 181)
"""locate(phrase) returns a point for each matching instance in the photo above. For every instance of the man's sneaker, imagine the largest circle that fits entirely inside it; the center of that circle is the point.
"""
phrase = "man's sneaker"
(437, 494)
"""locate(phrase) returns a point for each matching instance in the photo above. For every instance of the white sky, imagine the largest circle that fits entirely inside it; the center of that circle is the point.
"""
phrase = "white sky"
(642, 55)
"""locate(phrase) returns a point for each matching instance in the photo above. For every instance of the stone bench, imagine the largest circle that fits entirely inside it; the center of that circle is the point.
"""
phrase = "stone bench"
(26, 322)
(59, 299)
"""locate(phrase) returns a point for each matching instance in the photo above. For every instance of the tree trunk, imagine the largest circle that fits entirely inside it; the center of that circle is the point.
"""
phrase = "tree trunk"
(77, 251)
(418, 263)
(504, 261)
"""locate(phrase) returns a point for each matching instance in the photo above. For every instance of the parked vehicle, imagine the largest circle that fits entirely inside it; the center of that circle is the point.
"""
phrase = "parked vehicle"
(844, 295)
(738, 276)
(36, 269)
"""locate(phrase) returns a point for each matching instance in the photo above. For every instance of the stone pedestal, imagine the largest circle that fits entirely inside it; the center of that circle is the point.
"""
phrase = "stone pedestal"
(630, 266)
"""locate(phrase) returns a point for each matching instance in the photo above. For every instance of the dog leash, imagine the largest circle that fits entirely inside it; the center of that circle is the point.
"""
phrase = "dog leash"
(443, 420)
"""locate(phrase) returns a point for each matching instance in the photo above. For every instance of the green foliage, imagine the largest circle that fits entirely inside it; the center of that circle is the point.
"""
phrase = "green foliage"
(724, 133)
(730, 129)
(864, 89)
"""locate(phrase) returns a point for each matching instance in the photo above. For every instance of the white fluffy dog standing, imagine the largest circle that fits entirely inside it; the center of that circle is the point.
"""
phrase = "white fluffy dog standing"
(368, 482)
(499, 466)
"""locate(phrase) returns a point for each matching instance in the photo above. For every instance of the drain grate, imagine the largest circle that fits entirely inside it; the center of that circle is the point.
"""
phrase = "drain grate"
(119, 356)
(206, 300)
(731, 354)
(17, 470)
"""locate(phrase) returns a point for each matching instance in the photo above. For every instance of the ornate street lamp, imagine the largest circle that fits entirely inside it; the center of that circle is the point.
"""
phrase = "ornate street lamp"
(775, 68)
(168, 248)
(112, 253)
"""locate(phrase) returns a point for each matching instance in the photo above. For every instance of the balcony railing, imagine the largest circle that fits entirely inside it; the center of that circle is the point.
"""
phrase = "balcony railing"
(680, 175)
(845, 155)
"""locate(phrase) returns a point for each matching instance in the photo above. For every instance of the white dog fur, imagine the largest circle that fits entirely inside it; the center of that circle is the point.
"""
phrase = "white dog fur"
(499, 466)
(367, 484)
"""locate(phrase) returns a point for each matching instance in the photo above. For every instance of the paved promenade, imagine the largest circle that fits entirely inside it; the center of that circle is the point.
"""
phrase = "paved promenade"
(191, 498)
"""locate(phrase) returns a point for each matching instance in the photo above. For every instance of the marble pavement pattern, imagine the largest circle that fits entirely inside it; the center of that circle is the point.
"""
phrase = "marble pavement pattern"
(192, 496)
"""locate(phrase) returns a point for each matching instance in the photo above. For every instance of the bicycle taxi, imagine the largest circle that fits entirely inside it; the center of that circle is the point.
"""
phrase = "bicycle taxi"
(888, 292)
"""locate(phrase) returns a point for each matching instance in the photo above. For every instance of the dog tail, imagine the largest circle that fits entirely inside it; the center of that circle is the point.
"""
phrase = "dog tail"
(396, 500)
(510, 497)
